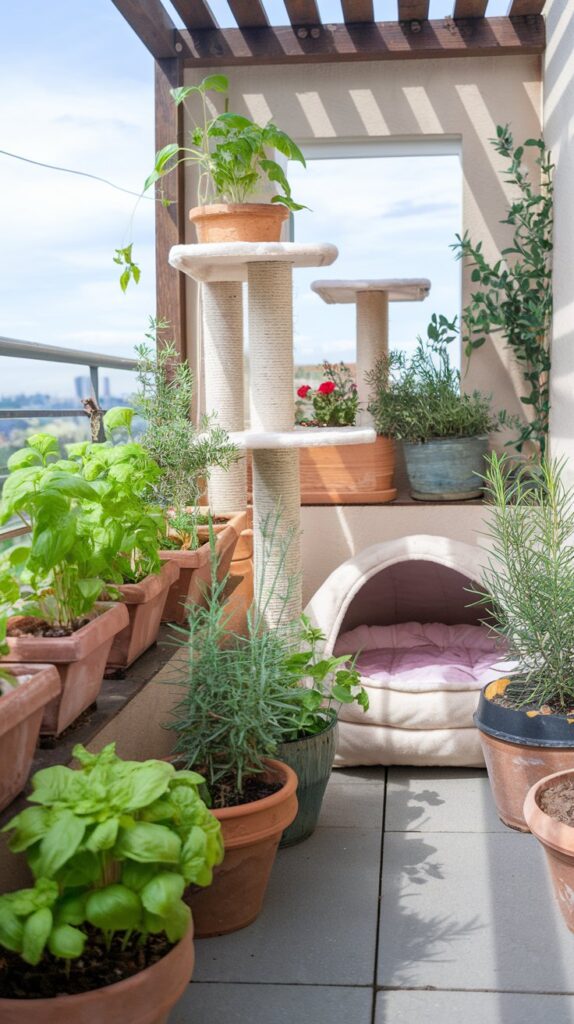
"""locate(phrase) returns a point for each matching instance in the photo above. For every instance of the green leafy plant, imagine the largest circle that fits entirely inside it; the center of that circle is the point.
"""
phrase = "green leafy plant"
(334, 403)
(528, 579)
(9, 595)
(112, 847)
(420, 399)
(514, 300)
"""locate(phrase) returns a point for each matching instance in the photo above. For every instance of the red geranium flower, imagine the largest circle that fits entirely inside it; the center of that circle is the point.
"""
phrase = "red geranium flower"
(302, 391)
(326, 388)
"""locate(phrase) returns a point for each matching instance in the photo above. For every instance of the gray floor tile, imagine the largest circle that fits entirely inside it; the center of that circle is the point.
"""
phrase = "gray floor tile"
(272, 1004)
(472, 1008)
(373, 776)
(471, 911)
(440, 800)
(318, 923)
(353, 806)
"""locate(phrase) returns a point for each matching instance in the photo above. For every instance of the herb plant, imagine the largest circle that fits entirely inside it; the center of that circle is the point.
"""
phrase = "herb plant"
(514, 300)
(420, 399)
(528, 580)
(334, 403)
(111, 846)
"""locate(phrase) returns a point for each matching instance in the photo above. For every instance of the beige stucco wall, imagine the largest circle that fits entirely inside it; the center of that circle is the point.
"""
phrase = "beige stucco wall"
(559, 134)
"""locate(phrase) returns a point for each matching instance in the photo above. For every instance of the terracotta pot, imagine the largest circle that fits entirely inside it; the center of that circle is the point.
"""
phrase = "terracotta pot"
(195, 570)
(558, 842)
(145, 998)
(80, 660)
(145, 602)
(251, 834)
(239, 222)
(21, 711)
(311, 758)
(520, 747)
(354, 474)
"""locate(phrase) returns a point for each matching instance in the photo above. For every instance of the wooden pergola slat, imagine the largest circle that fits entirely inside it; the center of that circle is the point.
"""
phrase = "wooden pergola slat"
(303, 12)
(523, 8)
(357, 11)
(249, 13)
(151, 22)
(195, 14)
(470, 8)
(413, 10)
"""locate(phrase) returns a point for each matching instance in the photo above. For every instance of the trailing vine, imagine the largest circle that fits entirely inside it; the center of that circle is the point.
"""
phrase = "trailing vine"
(515, 296)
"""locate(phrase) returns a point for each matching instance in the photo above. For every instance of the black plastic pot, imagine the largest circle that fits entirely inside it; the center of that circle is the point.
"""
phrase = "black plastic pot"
(525, 726)
(312, 759)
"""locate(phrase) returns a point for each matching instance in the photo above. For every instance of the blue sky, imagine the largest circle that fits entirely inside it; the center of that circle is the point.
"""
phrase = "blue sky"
(76, 89)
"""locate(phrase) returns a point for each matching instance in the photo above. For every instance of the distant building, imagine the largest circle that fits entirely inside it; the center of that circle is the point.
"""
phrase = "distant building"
(83, 386)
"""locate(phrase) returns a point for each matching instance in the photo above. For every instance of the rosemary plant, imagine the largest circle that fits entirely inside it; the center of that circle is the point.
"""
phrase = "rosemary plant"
(529, 580)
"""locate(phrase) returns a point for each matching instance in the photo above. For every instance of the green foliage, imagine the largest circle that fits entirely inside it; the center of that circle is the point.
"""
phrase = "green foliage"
(514, 300)
(9, 594)
(421, 399)
(112, 845)
(529, 579)
(334, 403)
(185, 453)
(130, 270)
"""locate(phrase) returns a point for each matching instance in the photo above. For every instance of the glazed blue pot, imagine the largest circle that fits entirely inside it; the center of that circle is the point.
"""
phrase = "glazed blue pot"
(311, 758)
(446, 469)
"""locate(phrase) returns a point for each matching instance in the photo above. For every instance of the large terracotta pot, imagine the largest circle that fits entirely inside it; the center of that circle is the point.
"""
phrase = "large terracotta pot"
(353, 474)
(239, 222)
(557, 840)
(80, 660)
(195, 569)
(311, 758)
(446, 468)
(251, 834)
(520, 747)
(145, 998)
(21, 711)
(145, 602)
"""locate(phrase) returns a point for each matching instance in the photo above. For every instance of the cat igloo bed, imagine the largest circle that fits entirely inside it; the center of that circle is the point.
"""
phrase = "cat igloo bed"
(423, 654)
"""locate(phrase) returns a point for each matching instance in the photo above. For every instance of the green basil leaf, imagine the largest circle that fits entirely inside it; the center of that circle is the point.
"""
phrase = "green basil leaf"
(11, 928)
(161, 894)
(149, 842)
(103, 836)
(114, 908)
(30, 826)
(66, 942)
(59, 844)
(35, 935)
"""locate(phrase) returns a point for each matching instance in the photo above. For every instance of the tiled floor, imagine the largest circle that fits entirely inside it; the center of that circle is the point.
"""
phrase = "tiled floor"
(411, 904)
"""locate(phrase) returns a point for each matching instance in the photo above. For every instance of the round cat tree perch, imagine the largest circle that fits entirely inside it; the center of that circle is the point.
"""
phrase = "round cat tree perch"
(268, 270)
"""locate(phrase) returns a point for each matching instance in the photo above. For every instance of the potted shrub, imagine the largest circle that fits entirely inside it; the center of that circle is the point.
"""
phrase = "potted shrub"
(231, 155)
(548, 812)
(309, 722)
(341, 474)
(525, 718)
(103, 933)
(62, 573)
(186, 454)
(444, 432)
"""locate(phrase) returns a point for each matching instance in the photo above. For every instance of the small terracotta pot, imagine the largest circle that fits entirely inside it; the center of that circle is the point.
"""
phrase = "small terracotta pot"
(195, 570)
(80, 660)
(145, 998)
(145, 602)
(21, 711)
(354, 474)
(558, 842)
(251, 834)
(520, 747)
(239, 222)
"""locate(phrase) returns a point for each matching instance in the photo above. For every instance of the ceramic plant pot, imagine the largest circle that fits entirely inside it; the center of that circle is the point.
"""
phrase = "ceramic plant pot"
(239, 222)
(195, 569)
(311, 759)
(145, 602)
(354, 474)
(557, 839)
(251, 834)
(80, 659)
(145, 998)
(446, 469)
(520, 747)
(21, 711)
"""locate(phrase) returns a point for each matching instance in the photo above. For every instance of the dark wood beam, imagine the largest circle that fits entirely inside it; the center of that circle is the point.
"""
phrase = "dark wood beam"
(303, 12)
(470, 8)
(249, 13)
(195, 14)
(523, 8)
(151, 22)
(413, 10)
(471, 37)
(170, 220)
(356, 11)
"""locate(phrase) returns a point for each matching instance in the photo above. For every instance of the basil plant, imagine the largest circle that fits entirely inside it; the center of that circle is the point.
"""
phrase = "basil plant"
(111, 846)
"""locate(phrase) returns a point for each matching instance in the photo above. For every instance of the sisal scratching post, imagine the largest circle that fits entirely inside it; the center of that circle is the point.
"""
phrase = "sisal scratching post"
(222, 311)
(275, 472)
(372, 340)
